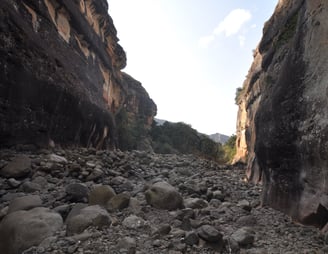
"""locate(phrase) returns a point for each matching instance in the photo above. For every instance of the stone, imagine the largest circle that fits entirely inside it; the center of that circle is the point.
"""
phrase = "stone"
(133, 222)
(57, 158)
(119, 201)
(63, 210)
(25, 203)
(75, 210)
(195, 203)
(210, 234)
(121, 184)
(244, 236)
(13, 182)
(22, 229)
(186, 213)
(244, 204)
(163, 229)
(164, 196)
(95, 174)
(232, 246)
(247, 220)
(218, 195)
(3, 212)
(100, 195)
(134, 205)
(77, 191)
(30, 187)
(40, 180)
(191, 238)
(19, 166)
(95, 216)
(127, 243)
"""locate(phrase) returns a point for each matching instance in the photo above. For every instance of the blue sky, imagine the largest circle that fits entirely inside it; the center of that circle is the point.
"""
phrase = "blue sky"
(191, 55)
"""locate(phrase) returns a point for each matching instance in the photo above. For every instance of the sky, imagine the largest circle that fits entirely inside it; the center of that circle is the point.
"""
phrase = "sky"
(191, 55)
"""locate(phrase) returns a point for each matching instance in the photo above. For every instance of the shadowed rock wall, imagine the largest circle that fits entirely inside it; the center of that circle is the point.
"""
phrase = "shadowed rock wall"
(60, 69)
(283, 115)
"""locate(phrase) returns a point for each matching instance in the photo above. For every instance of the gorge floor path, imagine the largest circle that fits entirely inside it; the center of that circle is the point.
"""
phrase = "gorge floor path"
(193, 206)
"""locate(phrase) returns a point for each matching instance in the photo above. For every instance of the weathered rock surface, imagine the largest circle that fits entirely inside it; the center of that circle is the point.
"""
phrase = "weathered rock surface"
(24, 203)
(86, 217)
(208, 226)
(23, 229)
(282, 119)
(164, 196)
(101, 194)
(61, 79)
(18, 167)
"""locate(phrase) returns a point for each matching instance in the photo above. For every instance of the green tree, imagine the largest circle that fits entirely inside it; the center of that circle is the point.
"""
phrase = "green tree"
(238, 95)
(229, 149)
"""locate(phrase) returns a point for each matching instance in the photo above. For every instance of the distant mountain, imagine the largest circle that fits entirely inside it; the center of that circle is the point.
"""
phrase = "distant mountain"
(219, 138)
(160, 121)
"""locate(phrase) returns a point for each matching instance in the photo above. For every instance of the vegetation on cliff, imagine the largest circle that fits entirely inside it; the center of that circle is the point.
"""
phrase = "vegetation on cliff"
(181, 138)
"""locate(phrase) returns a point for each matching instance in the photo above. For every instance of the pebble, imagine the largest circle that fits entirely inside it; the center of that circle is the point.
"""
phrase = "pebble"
(210, 207)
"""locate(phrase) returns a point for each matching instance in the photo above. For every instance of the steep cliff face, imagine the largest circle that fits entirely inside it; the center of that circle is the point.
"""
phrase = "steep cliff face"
(283, 113)
(60, 69)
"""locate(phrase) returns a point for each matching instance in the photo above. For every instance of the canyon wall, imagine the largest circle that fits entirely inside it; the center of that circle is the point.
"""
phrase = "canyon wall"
(282, 122)
(61, 80)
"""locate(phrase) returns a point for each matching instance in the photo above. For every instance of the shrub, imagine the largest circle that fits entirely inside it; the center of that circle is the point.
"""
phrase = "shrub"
(238, 96)
(182, 138)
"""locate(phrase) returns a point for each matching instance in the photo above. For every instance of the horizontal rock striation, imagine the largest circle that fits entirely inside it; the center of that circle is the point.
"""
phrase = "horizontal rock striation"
(60, 70)
(282, 121)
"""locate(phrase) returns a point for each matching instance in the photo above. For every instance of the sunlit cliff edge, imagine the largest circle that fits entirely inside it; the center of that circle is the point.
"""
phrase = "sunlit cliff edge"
(61, 79)
(282, 130)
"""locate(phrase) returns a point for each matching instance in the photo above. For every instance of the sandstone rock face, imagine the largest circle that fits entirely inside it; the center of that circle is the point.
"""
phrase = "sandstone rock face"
(61, 79)
(283, 112)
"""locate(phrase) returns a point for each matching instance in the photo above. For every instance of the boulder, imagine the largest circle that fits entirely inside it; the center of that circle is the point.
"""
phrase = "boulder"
(24, 203)
(191, 238)
(22, 229)
(164, 196)
(101, 194)
(195, 203)
(20, 166)
(77, 191)
(210, 234)
(244, 236)
(95, 216)
(133, 222)
(57, 158)
(119, 201)
(30, 187)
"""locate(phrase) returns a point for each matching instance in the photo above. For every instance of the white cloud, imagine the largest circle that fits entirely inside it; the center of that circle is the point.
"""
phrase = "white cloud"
(206, 40)
(233, 22)
(230, 25)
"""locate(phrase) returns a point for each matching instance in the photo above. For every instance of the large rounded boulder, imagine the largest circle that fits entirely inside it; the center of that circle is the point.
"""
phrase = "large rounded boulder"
(21, 230)
(164, 196)
(95, 216)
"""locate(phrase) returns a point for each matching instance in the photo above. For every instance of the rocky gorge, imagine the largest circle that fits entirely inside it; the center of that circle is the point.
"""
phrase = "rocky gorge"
(67, 111)
(89, 201)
